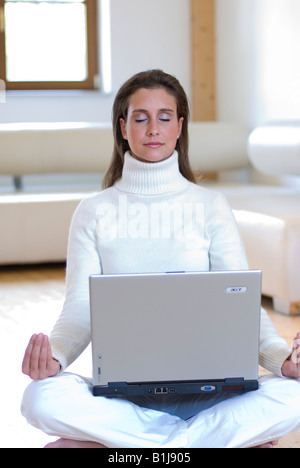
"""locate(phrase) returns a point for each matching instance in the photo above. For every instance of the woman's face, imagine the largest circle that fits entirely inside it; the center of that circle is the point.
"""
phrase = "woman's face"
(152, 126)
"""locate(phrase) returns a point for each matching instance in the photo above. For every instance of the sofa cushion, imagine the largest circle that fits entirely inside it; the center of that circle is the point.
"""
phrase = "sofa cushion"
(82, 147)
(218, 146)
(34, 227)
(269, 222)
(55, 147)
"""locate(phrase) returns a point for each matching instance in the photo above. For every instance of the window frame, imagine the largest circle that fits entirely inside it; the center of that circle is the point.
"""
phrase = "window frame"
(92, 60)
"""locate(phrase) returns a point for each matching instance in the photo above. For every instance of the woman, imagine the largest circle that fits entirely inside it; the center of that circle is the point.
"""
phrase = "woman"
(150, 166)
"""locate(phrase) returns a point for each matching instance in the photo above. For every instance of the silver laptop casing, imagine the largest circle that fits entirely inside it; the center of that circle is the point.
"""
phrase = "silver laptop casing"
(175, 332)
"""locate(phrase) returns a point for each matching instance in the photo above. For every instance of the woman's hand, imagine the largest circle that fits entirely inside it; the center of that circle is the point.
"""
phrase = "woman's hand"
(291, 367)
(38, 362)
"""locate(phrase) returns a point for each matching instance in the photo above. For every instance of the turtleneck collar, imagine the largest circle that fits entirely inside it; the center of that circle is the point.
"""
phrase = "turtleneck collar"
(143, 178)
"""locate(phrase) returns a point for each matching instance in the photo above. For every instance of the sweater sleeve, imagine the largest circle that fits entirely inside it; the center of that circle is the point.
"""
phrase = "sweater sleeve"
(227, 253)
(71, 333)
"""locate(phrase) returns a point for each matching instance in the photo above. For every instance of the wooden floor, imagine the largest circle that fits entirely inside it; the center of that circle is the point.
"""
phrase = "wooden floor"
(30, 301)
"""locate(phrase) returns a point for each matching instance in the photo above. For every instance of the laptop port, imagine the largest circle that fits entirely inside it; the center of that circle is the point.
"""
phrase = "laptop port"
(161, 390)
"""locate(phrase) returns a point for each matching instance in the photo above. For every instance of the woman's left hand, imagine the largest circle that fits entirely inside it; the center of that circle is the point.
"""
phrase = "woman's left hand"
(291, 367)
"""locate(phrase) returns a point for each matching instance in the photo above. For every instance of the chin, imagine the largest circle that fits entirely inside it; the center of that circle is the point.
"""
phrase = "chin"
(151, 158)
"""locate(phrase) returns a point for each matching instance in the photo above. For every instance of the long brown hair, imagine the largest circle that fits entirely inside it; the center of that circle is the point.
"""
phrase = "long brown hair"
(151, 79)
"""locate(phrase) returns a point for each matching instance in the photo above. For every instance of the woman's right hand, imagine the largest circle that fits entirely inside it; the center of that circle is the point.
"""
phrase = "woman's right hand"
(38, 362)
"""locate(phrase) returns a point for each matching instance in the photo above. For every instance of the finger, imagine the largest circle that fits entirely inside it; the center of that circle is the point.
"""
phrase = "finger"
(50, 357)
(295, 357)
(27, 356)
(35, 357)
(296, 343)
(43, 359)
(297, 349)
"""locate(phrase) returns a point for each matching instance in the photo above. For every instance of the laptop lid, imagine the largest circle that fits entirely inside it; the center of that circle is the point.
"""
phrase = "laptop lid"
(175, 332)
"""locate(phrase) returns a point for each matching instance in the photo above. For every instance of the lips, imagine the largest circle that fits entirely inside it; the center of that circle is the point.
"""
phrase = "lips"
(154, 144)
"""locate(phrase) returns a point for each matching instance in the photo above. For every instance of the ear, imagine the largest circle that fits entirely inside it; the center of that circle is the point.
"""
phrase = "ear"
(123, 128)
(180, 122)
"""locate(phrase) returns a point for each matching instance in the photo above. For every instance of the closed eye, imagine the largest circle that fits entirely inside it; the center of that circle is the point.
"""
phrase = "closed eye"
(165, 117)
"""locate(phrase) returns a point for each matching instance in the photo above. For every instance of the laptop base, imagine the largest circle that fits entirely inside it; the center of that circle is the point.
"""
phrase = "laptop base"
(158, 389)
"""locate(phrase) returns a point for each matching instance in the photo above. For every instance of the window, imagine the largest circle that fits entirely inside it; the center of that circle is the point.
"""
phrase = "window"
(48, 44)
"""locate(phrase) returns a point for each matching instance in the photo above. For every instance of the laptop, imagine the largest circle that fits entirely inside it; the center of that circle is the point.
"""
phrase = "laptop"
(175, 333)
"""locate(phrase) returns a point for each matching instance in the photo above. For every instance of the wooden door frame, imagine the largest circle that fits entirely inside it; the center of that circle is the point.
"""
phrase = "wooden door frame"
(203, 60)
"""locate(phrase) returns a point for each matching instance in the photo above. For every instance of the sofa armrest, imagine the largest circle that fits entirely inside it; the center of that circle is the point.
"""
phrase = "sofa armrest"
(275, 148)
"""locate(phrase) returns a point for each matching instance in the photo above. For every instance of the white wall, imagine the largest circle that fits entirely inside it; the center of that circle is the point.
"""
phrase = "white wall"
(258, 61)
(257, 49)
(279, 34)
(236, 49)
(145, 35)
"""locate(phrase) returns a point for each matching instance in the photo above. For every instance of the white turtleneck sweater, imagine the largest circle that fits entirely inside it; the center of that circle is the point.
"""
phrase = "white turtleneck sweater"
(151, 220)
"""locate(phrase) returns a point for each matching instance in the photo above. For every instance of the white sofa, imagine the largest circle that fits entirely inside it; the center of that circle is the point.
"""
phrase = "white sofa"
(274, 149)
(35, 221)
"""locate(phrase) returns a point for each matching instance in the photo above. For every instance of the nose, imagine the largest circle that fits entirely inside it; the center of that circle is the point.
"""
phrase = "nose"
(153, 129)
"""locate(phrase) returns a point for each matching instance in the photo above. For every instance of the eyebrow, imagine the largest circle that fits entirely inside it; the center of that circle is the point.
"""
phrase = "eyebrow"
(145, 111)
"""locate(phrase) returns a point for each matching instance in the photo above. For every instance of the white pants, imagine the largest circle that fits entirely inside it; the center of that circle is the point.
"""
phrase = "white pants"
(65, 407)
